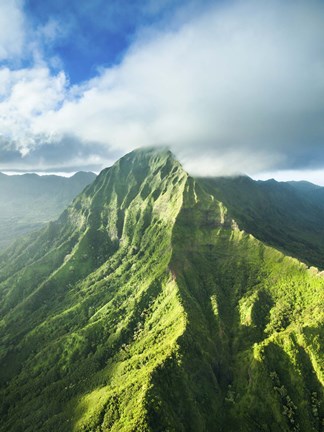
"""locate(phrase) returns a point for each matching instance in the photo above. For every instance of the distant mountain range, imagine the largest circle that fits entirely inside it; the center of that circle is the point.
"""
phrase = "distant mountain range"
(28, 201)
(161, 302)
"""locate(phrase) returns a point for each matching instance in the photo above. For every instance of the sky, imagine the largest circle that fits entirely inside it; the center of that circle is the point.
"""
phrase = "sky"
(230, 87)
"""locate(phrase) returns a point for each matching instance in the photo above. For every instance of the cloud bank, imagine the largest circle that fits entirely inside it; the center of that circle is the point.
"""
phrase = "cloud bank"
(236, 88)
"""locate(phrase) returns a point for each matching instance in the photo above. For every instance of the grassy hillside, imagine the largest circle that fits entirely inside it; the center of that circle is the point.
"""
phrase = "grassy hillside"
(255, 320)
(29, 201)
(146, 308)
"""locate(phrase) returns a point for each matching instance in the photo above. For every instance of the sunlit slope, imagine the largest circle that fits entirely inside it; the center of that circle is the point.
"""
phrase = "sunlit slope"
(146, 308)
(252, 344)
(92, 308)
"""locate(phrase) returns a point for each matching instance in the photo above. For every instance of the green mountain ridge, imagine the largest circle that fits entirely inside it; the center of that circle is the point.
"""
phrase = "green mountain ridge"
(145, 307)
(286, 215)
(28, 201)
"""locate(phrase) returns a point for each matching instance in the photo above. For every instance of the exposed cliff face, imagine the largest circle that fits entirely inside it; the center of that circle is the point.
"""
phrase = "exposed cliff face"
(145, 307)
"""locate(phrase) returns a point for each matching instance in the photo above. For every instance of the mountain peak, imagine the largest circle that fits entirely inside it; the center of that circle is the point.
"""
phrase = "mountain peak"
(140, 169)
(153, 156)
(144, 307)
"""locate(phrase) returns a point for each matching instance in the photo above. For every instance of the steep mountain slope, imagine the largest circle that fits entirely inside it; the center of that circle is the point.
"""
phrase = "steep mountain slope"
(288, 216)
(146, 308)
(28, 201)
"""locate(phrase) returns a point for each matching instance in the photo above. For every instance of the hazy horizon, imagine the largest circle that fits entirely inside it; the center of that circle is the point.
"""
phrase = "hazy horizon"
(311, 176)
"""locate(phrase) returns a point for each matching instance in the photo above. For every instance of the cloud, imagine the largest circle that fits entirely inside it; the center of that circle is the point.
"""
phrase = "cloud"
(25, 95)
(238, 88)
(66, 153)
(11, 28)
(88, 35)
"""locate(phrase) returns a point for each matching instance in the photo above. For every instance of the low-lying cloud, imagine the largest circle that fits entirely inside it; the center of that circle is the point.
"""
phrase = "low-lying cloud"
(239, 88)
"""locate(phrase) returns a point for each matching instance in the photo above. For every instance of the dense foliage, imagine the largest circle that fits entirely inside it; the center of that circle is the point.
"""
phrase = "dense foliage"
(286, 215)
(145, 307)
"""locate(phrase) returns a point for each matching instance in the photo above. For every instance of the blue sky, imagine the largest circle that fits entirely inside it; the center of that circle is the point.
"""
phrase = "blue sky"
(96, 34)
(230, 86)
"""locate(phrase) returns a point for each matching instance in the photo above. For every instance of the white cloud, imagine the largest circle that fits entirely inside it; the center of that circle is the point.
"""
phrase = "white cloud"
(25, 95)
(239, 88)
(12, 30)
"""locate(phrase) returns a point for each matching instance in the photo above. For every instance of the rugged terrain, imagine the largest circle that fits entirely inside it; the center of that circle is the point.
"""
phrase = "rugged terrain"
(287, 215)
(154, 304)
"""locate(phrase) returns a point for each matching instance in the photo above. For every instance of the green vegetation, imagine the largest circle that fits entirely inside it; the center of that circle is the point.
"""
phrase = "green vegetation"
(29, 201)
(144, 307)
(288, 216)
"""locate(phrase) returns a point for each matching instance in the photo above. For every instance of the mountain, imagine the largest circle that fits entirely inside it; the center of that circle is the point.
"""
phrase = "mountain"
(146, 307)
(288, 216)
(28, 201)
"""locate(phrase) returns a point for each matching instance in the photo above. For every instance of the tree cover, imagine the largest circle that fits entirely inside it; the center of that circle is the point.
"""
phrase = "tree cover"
(147, 306)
